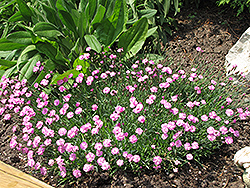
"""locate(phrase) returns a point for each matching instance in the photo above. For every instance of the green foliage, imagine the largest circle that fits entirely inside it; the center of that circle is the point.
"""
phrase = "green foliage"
(159, 14)
(61, 30)
(240, 4)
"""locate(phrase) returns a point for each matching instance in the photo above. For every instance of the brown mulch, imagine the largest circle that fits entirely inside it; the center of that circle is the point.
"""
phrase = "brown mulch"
(215, 30)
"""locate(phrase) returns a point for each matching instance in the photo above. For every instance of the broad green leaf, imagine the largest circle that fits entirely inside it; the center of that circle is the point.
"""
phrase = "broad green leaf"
(99, 14)
(92, 9)
(66, 74)
(148, 13)
(93, 43)
(7, 63)
(134, 37)
(82, 24)
(74, 49)
(67, 20)
(16, 17)
(110, 6)
(45, 29)
(10, 71)
(106, 32)
(27, 69)
(24, 9)
(22, 37)
(7, 45)
(151, 31)
(4, 54)
(83, 63)
(52, 16)
(26, 54)
(1, 73)
(166, 7)
(119, 16)
(176, 4)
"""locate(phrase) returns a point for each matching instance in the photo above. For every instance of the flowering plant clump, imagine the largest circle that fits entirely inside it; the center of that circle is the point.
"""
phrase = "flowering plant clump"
(127, 114)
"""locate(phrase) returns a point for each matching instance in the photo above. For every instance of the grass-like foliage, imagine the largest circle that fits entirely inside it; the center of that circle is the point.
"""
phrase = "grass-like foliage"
(128, 114)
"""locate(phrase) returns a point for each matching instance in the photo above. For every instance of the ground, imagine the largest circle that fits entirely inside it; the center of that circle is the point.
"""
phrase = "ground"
(215, 30)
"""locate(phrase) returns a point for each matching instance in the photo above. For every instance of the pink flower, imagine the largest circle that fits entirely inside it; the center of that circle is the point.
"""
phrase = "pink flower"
(210, 130)
(105, 166)
(106, 90)
(7, 117)
(136, 158)
(77, 173)
(195, 145)
(157, 160)
(204, 118)
(138, 108)
(139, 131)
(223, 130)
(141, 119)
(119, 162)
(107, 143)
(187, 146)
(88, 167)
(62, 131)
(229, 112)
(133, 139)
(153, 89)
(70, 115)
(72, 156)
(189, 156)
(98, 146)
(83, 145)
(90, 157)
(229, 140)
(115, 151)
(198, 49)
(211, 137)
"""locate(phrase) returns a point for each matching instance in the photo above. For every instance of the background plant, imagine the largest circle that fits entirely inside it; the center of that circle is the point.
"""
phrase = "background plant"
(240, 4)
(57, 32)
(130, 115)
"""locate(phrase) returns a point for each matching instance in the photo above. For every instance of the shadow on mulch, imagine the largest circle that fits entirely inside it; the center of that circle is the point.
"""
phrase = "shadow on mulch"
(215, 30)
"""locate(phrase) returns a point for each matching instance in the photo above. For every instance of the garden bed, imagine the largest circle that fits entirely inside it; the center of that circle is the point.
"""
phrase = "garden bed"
(213, 29)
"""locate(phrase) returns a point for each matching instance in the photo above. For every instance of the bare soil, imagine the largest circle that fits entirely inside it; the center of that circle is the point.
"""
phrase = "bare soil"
(215, 30)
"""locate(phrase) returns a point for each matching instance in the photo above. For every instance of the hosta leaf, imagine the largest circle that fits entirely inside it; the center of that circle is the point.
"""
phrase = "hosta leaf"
(93, 43)
(7, 45)
(22, 37)
(46, 29)
(27, 69)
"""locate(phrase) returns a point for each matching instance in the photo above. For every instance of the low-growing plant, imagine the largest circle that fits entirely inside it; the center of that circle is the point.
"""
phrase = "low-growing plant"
(135, 114)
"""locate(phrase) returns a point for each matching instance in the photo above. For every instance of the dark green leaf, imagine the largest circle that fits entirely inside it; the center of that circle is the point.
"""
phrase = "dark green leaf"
(16, 17)
(27, 69)
(7, 45)
(67, 20)
(133, 39)
(148, 13)
(24, 9)
(52, 16)
(45, 29)
(22, 37)
(7, 63)
(99, 15)
(166, 7)
(93, 43)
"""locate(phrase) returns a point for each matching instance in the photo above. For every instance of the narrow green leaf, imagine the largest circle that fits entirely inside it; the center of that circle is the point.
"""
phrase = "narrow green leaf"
(67, 20)
(148, 13)
(134, 37)
(99, 14)
(22, 37)
(93, 43)
(166, 7)
(7, 45)
(176, 4)
(27, 69)
(24, 9)
(92, 9)
(16, 17)
(52, 16)
(151, 31)
(45, 29)
(10, 71)
(7, 63)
